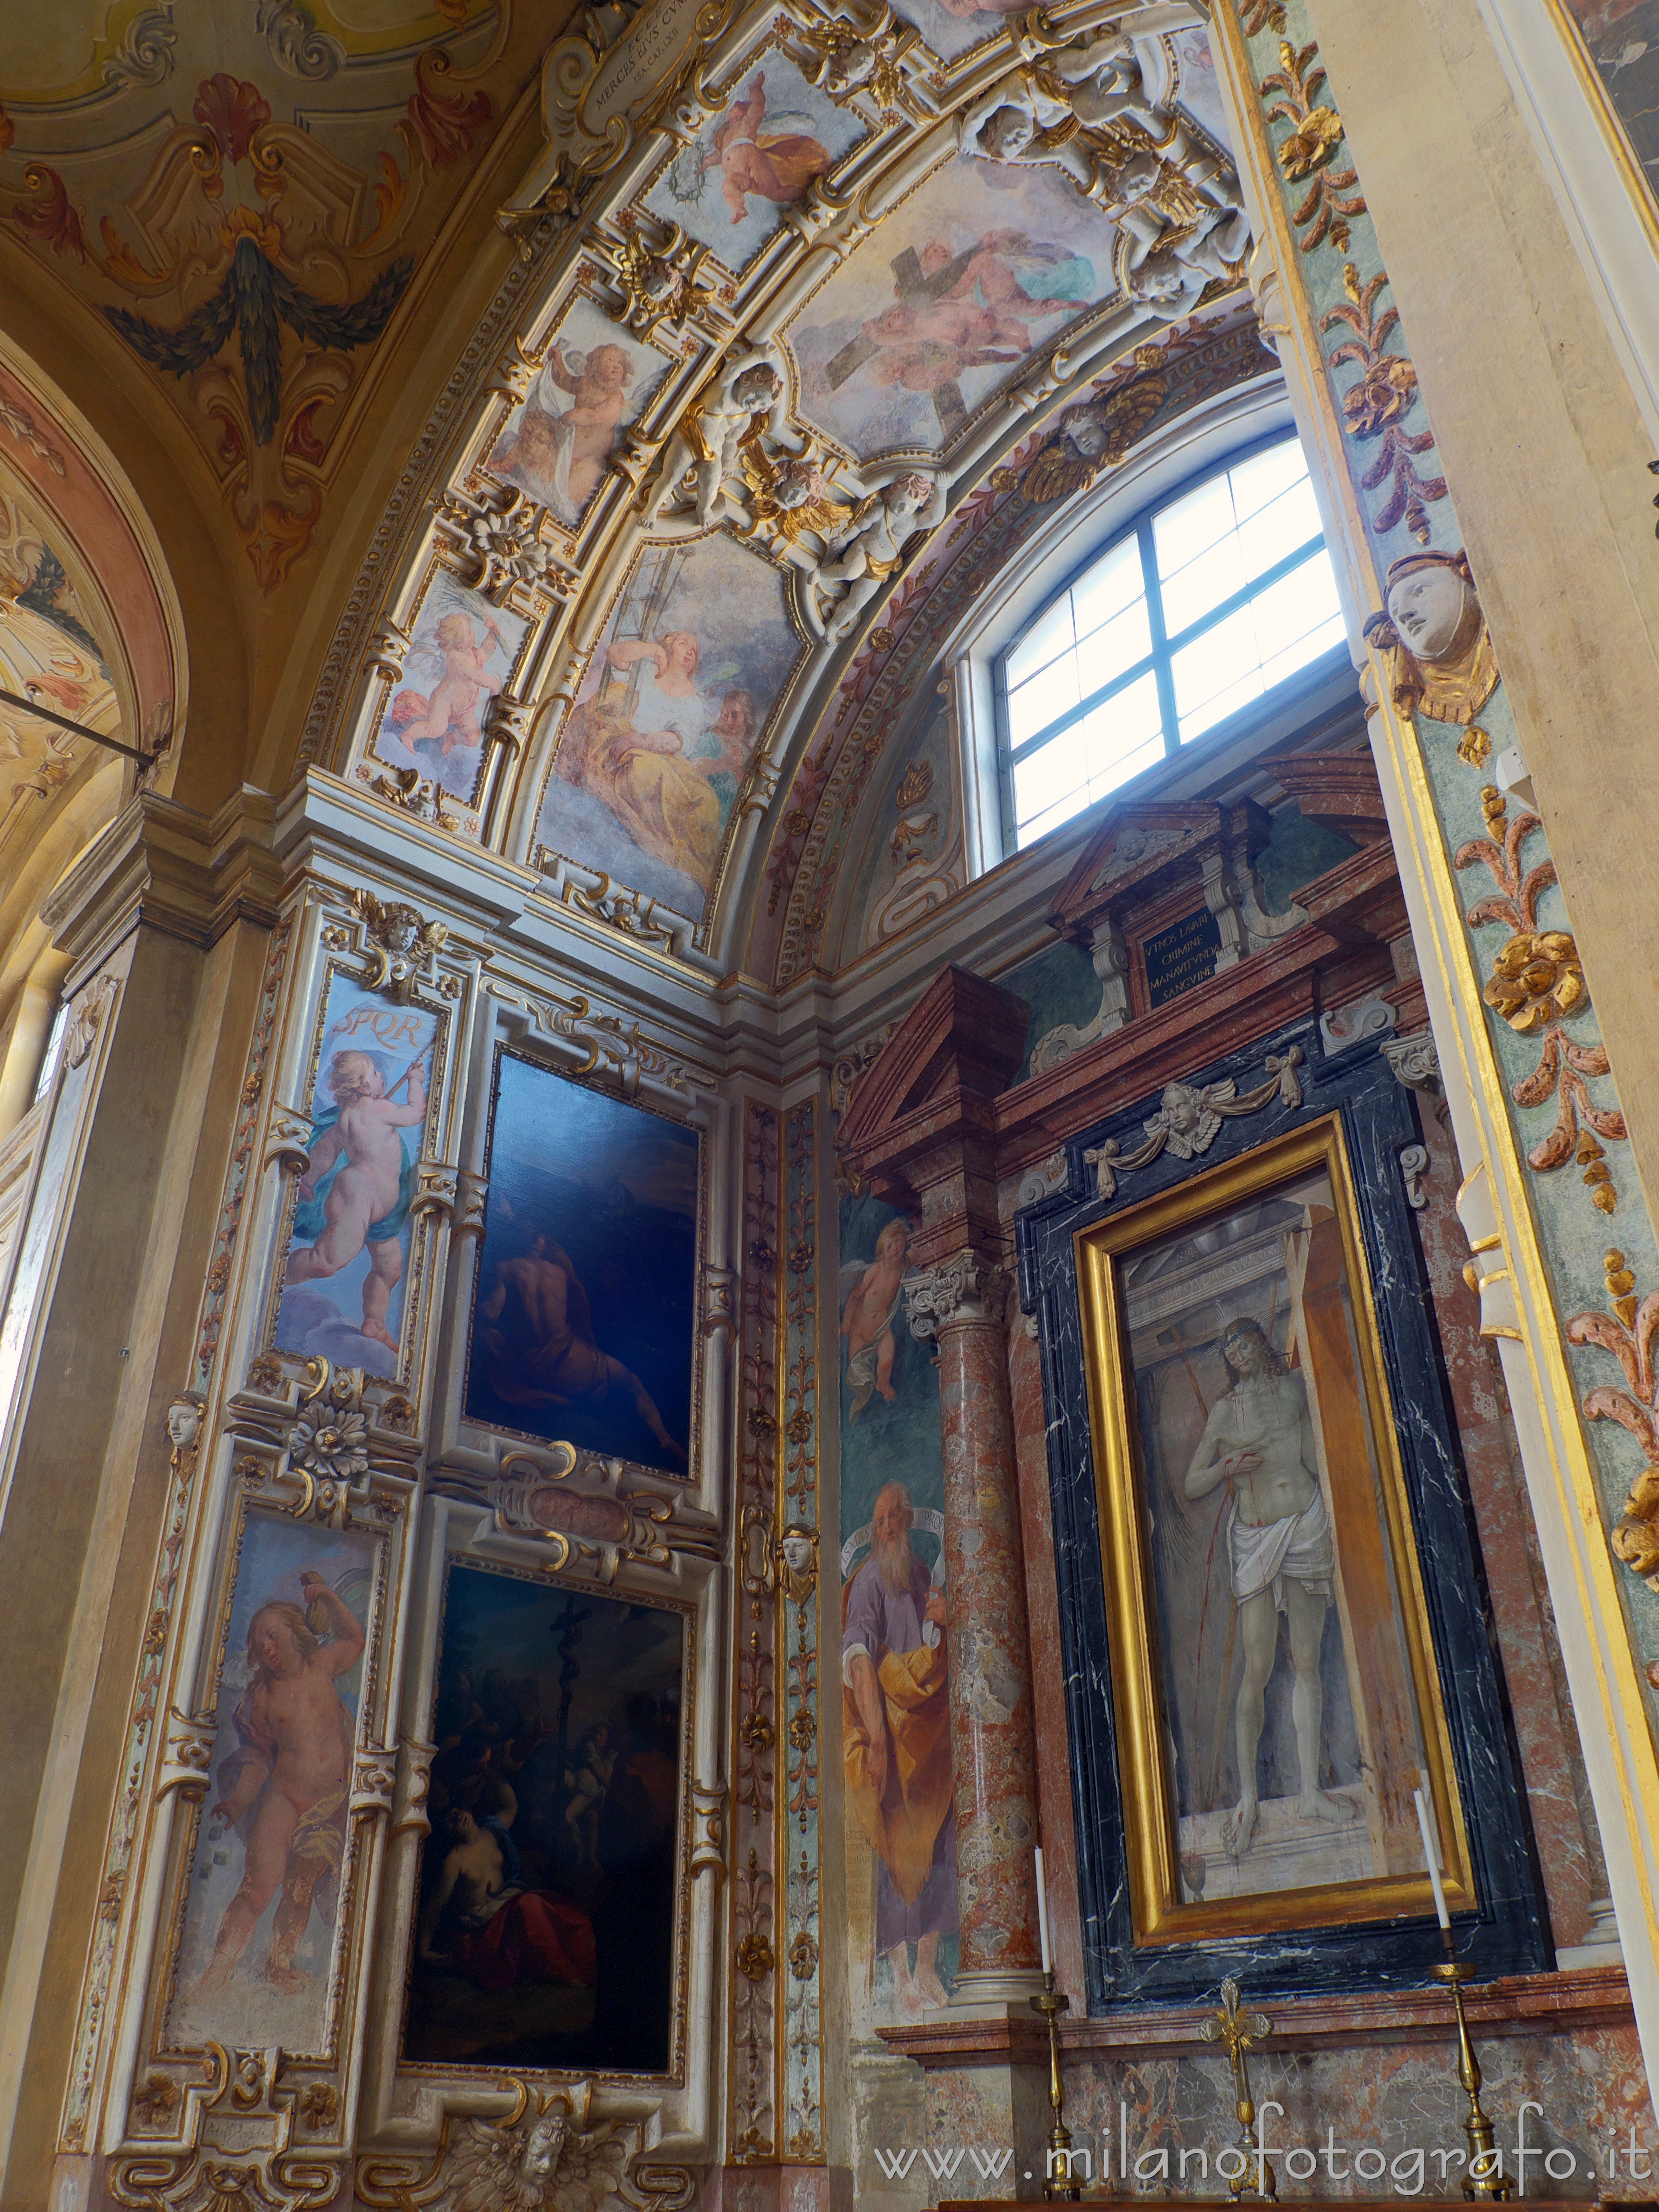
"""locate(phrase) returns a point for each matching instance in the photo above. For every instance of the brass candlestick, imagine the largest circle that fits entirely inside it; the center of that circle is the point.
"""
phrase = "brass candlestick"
(1051, 2003)
(1238, 2031)
(1485, 2183)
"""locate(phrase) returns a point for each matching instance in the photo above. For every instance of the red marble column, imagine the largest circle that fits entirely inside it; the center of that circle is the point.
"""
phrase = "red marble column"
(959, 1305)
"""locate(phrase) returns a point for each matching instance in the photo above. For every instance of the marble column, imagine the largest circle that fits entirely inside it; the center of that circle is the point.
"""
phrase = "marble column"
(958, 1305)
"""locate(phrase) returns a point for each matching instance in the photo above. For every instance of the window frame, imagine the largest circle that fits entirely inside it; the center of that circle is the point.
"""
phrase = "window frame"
(1159, 658)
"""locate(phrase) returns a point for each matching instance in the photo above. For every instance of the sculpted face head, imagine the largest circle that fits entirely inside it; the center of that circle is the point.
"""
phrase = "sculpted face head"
(852, 66)
(1007, 134)
(543, 2148)
(759, 386)
(1183, 1107)
(1139, 176)
(1156, 282)
(1088, 435)
(184, 1422)
(797, 1551)
(907, 495)
(1430, 606)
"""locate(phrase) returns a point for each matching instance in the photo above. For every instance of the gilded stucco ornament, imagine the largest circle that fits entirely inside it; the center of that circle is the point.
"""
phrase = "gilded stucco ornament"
(868, 53)
(657, 279)
(1096, 435)
(1306, 153)
(1434, 638)
(1535, 984)
(546, 2154)
(1626, 1331)
(402, 944)
(1375, 406)
(702, 479)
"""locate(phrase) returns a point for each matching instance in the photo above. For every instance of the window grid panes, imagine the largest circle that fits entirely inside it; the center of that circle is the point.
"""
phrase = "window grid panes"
(1202, 609)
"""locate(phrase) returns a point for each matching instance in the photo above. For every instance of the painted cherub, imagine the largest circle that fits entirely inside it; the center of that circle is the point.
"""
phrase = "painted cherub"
(588, 1778)
(285, 1786)
(861, 553)
(451, 719)
(867, 1319)
(357, 1186)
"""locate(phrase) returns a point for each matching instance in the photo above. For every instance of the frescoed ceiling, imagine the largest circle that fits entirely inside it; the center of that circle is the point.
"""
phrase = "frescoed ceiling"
(829, 312)
(244, 191)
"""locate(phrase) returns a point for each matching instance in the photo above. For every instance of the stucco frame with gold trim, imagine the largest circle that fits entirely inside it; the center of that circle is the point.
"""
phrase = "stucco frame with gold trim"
(1160, 1916)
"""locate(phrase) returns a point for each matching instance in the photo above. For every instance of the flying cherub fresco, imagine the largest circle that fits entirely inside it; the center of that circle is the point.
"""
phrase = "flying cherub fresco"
(773, 160)
(359, 1183)
(444, 730)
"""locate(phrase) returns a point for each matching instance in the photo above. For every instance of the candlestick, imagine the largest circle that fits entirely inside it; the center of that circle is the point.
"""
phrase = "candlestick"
(1430, 1852)
(1042, 1915)
(1051, 2003)
(1485, 2183)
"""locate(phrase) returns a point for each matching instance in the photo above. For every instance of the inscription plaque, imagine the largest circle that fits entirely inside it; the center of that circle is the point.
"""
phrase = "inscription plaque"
(1182, 957)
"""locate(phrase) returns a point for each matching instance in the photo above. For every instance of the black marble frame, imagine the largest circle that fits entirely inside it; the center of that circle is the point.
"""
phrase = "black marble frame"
(1510, 1933)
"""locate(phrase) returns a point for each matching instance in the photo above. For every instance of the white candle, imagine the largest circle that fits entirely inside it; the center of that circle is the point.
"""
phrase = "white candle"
(1432, 1855)
(1042, 1916)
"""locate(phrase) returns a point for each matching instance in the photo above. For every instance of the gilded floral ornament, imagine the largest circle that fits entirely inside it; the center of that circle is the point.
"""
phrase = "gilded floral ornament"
(1381, 397)
(1626, 1333)
(755, 1956)
(1536, 983)
(1536, 979)
(1375, 406)
(1306, 153)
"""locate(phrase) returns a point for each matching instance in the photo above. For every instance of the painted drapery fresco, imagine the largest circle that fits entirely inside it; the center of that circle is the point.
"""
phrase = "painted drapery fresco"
(729, 187)
(350, 1237)
(657, 745)
(545, 1930)
(893, 1654)
(983, 263)
(592, 383)
(584, 1324)
(263, 1893)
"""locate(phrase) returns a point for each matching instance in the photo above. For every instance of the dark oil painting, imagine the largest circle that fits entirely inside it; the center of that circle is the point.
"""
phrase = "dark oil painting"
(1622, 39)
(545, 1932)
(584, 1318)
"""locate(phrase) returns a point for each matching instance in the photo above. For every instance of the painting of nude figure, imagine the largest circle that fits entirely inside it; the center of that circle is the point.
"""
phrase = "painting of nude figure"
(343, 1281)
(1289, 1656)
(262, 1899)
(544, 1932)
(584, 1321)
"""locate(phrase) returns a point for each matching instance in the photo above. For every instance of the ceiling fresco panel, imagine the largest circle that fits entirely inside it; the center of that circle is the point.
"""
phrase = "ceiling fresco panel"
(729, 187)
(687, 674)
(984, 265)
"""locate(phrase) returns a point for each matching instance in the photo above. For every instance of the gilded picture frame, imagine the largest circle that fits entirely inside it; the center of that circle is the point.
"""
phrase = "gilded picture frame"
(1144, 1565)
(1378, 1847)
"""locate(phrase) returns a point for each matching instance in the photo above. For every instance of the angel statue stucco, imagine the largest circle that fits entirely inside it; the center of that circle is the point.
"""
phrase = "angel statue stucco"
(861, 554)
(1435, 640)
(744, 402)
(551, 2162)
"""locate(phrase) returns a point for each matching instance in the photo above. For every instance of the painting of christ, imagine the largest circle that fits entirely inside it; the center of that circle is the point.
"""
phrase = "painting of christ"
(583, 1321)
(777, 134)
(659, 739)
(984, 263)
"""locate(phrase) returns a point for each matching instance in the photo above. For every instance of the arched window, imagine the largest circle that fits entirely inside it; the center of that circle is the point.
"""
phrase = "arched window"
(1195, 614)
